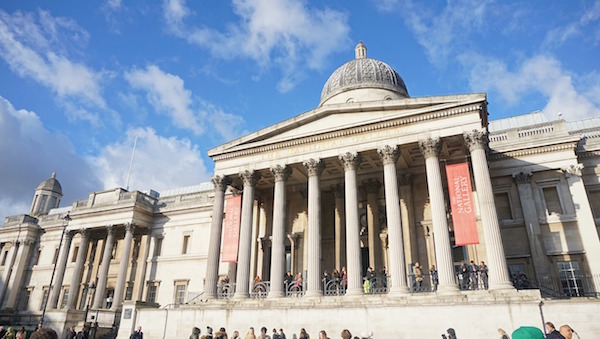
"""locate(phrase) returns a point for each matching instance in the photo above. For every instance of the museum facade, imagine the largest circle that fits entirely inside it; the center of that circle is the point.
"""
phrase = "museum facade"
(300, 213)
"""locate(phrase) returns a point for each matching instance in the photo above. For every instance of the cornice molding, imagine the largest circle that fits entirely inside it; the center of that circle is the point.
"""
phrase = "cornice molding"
(495, 155)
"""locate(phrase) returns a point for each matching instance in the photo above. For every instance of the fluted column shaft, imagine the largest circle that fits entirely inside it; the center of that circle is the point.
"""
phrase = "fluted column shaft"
(61, 265)
(120, 287)
(430, 149)
(389, 156)
(78, 270)
(281, 174)
(104, 266)
(586, 225)
(350, 161)
(314, 167)
(242, 286)
(214, 244)
(498, 271)
(340, 227)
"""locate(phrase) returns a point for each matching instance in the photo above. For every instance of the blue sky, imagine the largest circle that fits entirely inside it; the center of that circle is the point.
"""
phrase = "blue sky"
(79, 80)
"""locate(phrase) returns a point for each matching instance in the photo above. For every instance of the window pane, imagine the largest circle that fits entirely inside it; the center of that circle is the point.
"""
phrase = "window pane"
(44, 299)
(570, 277)
(552, 200)
(503, 206)
(180, 294)
(186, 241)
(65, 298)
(158, 247)
(151, 294)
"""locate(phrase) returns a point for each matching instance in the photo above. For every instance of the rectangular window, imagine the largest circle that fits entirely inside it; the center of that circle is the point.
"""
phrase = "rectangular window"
(42, 204)
(44, 298)
(129, 291)
(25, 298)
(180, 293)
(570, 278)
(37, 256)
(503, 206)
(65, 297)
(594, 197)
(552, 199)
(158, 247)
(186, 243)
(75, 251)
(151, 297)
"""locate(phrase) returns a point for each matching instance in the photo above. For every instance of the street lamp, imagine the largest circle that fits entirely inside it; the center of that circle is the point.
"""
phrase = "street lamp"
(66, 220)
(90, 292)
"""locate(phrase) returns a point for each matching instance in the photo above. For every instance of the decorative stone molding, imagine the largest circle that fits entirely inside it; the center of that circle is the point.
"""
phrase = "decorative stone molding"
(372, 186)
(522, 177)
(573, 170)
(405, 179)
(350, 161)
(499, 155)
(314, 166)
(389, 154)
(110, 229)
(220, 182)
(476, 139)
(430, 147)
(250, 178)
(28, 242)
(281, 173)
(70, 234)
(129, 227)
(84, 232)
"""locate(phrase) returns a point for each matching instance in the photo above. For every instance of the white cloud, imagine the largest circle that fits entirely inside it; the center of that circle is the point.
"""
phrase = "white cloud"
(285, 33)
(38, 50)
(159, 162)
(167, 94)
(587, 26)
(30, 153)
(540, 74)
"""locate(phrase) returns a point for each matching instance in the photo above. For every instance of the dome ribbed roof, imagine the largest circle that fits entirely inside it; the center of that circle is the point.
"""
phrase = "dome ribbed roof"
(363, 72)
(50, 185)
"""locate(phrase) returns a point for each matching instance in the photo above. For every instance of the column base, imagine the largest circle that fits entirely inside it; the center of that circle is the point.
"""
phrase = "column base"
(313, 294)
(209, 295)
(355, 291)
(447, 289)
(275, 294)
(241, 295)
(501, 285)
(398, 290)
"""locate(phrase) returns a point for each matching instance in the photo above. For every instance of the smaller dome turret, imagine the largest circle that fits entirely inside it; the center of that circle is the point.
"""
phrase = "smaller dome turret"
(47, 196)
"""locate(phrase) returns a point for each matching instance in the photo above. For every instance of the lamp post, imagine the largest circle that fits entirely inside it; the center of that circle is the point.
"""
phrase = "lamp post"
(90, 292)
(66, 220)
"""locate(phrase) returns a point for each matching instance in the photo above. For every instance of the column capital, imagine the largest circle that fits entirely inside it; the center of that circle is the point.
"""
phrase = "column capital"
(573, 170)
(405, 179)
(372, 186)
(129, 227)
(281, 173)
(430, 147)
(389, 154)
(314, 166)
(476, 139)
(522, 177)
(350, 160)
(110, 229)
(338, 191)
(28, 242)
(250, 178)
(84, 232)
(220, 182)
(70, 234)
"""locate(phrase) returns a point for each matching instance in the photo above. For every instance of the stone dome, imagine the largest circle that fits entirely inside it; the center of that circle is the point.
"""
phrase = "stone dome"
(364, 73)
(51, 184)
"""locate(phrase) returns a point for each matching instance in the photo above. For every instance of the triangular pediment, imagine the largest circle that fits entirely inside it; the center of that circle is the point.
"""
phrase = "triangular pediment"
(341, 117)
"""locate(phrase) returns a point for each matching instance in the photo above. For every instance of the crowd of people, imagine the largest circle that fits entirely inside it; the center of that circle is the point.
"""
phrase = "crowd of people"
(473, 276)
(264, 334)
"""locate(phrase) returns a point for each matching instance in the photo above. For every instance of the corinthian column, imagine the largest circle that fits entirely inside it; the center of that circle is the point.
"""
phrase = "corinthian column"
(350, 161)
(389, 156)
(430, 148)
(103, 274)
(242, 280)
(314, 167)
(60, 269)
(214, 245)
(586, 225)
(477, 142)
(120, 287)
(76, 279)
(281, 174)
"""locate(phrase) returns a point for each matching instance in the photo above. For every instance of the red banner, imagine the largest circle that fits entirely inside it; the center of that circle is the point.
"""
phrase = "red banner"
(461, 200)
(231, 235)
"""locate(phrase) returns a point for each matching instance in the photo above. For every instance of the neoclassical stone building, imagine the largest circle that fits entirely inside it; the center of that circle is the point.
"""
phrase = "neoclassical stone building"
(360, 181)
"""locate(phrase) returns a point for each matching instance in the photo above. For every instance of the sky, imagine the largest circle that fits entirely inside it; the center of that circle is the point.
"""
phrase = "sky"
(80, 80)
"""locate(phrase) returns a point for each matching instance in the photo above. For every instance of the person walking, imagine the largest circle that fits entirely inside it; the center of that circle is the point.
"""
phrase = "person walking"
(552, 332)
(195, 333)
(71, 333)
(138, 334)
(83, 334)
(568, 332)
(21, 334)
(483, 274)
(250, 333)
(503, 334)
